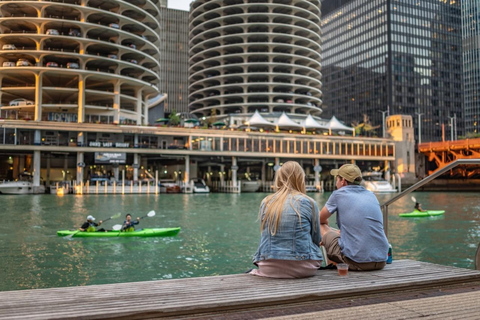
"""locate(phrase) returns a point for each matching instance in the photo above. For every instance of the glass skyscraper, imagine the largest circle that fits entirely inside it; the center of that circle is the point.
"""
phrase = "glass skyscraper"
(471, 63)
(404, 56)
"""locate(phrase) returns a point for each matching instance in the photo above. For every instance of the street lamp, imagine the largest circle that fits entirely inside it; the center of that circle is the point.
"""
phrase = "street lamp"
(419, 127)
(453, 127)
(383, 119)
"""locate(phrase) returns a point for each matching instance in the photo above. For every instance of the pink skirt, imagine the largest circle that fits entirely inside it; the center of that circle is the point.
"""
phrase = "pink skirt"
(287, 269)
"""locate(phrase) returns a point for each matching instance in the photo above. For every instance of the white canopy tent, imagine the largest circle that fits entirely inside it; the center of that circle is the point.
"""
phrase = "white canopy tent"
(258, 121)
(284, 122)
(334, 124)
(310, 123)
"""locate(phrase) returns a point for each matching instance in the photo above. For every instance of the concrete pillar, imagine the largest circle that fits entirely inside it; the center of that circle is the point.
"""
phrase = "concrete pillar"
(317, 173)
(263, 173)
(80, 139)
(21, 164)
(136, 164)
(209, 176)
(138, 109)
(38, 97)
(81, 99)
(36, 168)
(80, 166)
(187, 169)
(222, 175)
(116, 173)
(65, 167)
(49, 156)
(135, 140)
(234, 170)
(37, 138)
(116, 102)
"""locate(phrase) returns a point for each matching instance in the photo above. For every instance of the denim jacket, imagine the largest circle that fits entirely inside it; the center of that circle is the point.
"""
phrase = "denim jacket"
(294, 239)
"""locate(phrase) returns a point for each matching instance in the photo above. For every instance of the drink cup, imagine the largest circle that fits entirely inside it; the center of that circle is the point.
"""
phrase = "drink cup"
(342, 269)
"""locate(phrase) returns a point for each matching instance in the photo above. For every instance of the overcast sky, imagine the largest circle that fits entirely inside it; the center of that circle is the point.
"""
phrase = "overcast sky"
(180, 4)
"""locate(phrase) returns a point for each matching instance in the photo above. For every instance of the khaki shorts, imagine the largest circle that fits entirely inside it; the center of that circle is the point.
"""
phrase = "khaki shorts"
(334, 253)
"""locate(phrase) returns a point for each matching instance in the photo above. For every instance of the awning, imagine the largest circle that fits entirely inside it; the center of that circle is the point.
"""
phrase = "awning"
(258, 121)
(218, 123)
(310, 123)
(284, 122)
(191, 121)
(162, 120)
(334, 124)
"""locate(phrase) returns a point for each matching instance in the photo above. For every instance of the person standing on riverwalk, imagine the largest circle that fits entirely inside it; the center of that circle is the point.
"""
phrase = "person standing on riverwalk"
(361, 242)
(89, 225)
(290, 229)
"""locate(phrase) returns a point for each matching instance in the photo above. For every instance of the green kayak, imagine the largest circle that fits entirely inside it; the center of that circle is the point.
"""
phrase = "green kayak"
(155, 232)
(426, 213)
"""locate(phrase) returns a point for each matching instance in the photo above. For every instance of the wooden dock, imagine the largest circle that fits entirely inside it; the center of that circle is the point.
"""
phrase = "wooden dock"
(378, 294)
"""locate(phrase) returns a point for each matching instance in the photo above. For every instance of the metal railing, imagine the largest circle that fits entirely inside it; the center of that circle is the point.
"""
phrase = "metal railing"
(422, 183)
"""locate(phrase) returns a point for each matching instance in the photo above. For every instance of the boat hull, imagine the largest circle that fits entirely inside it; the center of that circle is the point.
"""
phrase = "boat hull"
(427, 213)
(145, 233)
(16, 188)
(250, 186)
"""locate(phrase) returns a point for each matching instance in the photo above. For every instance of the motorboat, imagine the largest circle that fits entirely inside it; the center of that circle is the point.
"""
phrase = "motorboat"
(250, 185)
(16, 187)
(374, 181)
(199, 186)
(22, 186)
(169, 186)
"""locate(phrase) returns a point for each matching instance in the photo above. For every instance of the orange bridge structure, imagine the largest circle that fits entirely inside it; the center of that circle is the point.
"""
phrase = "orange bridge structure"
(439, 154)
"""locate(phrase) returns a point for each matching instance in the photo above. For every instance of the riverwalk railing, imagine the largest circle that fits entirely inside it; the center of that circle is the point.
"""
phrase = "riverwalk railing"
(421, 183)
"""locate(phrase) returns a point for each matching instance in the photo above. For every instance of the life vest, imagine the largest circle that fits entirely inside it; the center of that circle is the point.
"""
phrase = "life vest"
(91, 228)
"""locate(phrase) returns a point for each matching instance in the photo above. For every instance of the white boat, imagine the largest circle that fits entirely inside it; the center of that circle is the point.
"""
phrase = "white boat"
(199, 186)
(16, 187)
(250, 185)
(373, 181)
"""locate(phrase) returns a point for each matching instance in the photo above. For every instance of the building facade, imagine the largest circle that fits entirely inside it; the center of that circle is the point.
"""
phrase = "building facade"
(395, 57)
(262, 55)
(70, 61)
(471, 64)
(174, 59)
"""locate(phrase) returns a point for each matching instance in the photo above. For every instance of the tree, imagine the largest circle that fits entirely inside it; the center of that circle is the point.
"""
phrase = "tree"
(365, 128)
(213, 116)
(174, 118)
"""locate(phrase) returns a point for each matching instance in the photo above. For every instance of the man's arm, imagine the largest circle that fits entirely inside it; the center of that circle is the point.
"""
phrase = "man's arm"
(324, 215)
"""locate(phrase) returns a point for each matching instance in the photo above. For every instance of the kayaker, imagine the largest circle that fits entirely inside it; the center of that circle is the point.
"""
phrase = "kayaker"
(128, 224)
(361, 242)
(418, 207)
(290, 229)
(89, 225)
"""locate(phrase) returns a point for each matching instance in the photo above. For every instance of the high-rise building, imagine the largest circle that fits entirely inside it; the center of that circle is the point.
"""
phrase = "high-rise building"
(471, 64)
(399, 57)
(174, 59)
(255, 55)
(69, 62)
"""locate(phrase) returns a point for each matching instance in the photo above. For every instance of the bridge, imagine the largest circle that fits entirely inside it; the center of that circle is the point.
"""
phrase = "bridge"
(440, 154)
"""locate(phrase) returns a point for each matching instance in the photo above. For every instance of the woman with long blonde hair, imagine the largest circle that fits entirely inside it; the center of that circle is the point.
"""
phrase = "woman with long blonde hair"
(290, 226)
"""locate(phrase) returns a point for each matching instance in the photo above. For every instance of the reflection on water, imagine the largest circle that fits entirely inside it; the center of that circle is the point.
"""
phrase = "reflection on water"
(220, 233)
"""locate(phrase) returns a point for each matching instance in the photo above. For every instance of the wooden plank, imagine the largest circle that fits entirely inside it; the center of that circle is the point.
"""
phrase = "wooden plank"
(455, 306)
(194, 295)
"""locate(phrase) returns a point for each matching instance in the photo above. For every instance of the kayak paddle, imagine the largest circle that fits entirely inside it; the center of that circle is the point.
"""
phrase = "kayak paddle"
(115, 216)
(117, 227)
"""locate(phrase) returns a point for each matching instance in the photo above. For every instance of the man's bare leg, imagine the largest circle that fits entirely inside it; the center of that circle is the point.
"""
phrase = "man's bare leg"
(324, 228)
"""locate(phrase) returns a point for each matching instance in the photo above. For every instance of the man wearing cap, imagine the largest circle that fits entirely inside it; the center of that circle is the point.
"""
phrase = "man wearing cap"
(90, 225)
(361, 240)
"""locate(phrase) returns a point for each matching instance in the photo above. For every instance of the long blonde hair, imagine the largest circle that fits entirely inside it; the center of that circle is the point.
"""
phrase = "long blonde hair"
(289, 180)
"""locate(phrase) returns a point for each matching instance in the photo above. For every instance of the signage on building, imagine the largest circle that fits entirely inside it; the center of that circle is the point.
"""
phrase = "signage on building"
(62, 117)
(110, 157)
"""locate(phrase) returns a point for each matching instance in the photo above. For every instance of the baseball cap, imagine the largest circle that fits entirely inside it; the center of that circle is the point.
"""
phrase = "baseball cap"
(91, 218)
(349, 172)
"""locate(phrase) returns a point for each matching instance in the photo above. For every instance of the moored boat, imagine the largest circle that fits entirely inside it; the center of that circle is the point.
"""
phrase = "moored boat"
(373, 181)
(250, 185)
(199, 186)
(145, 233)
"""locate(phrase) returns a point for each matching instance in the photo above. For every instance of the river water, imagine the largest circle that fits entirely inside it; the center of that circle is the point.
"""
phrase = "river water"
(219, 235)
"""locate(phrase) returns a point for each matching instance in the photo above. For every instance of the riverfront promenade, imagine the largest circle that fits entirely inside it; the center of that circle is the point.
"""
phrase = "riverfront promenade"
(386, 292)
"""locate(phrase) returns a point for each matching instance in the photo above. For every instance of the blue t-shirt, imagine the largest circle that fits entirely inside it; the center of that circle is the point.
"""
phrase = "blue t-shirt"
(362, 238)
